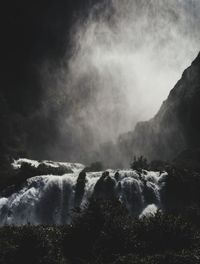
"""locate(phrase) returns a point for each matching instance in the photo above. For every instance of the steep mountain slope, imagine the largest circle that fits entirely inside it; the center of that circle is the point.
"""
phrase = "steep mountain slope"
(175, 127)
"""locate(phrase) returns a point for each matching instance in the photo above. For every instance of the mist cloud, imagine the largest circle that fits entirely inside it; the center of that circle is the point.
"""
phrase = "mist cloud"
(126, 56)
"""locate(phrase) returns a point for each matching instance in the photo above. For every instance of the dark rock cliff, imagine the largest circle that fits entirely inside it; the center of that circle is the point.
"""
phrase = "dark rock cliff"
(175, 127)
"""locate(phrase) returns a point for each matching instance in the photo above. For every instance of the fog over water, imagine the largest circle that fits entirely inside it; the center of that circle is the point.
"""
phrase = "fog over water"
(126, 56)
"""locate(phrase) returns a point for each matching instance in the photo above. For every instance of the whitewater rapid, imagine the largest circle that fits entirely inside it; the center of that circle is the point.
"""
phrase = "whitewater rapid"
(50, 199)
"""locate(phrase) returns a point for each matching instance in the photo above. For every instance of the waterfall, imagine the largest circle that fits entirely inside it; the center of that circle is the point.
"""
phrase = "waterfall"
(50, 199)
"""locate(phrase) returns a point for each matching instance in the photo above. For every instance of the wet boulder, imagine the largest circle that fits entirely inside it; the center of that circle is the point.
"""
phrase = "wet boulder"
(80, 189)
(105, 187)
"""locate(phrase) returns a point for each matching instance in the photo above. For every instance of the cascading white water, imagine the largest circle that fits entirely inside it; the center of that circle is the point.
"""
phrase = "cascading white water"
(50, 199)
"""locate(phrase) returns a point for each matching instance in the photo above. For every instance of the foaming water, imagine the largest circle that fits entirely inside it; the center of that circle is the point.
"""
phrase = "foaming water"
(51, 199)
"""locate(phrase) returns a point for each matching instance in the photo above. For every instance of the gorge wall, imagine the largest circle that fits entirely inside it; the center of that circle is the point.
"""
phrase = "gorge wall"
(175, 127)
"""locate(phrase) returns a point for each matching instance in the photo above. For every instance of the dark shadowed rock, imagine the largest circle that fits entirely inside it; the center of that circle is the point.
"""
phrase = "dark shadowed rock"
(80, 189)
(105, 187)
(188, 159)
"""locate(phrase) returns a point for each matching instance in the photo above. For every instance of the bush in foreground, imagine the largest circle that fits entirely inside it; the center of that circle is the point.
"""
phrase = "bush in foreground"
(104, 234)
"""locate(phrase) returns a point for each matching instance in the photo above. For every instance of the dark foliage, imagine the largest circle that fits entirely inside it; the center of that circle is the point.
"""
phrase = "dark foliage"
(104, 233)
(158, 165)
(30, 244)
(139, 163)
(188, 159)
(181, 190)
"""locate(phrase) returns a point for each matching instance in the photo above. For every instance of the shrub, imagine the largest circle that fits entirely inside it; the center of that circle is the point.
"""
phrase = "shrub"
(139, 163)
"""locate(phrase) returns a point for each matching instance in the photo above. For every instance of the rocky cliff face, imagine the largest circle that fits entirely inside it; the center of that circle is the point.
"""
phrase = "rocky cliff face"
(175, 127)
